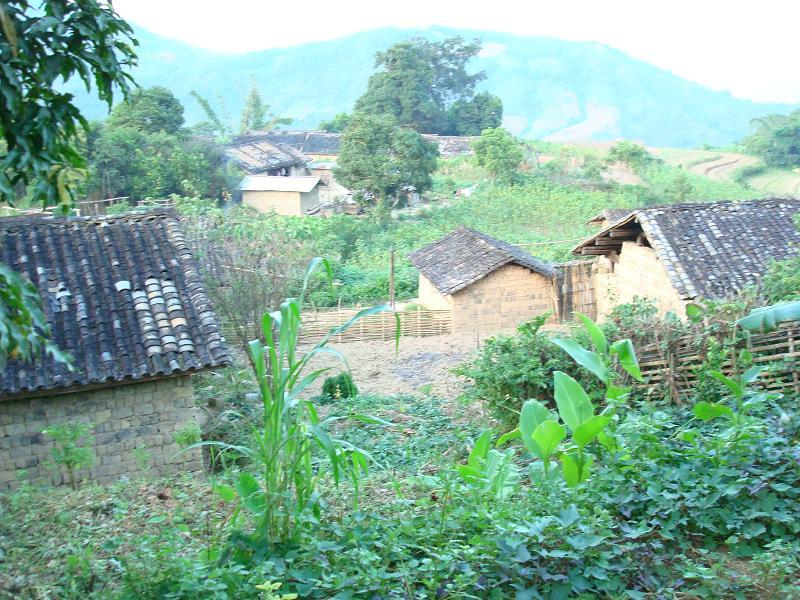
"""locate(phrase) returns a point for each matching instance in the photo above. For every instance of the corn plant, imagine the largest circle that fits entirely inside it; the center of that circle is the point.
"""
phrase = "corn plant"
(544, 433)
(282, 490)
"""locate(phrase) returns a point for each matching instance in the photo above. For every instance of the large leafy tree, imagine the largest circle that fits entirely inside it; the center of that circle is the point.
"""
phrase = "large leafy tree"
(425, 85)
(149, 110)
(43, 44)
(777, 140)
(381, 161)
(499, 153)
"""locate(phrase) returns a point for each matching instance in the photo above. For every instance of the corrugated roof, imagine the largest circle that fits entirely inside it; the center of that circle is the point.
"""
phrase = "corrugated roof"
(265, 183)
(122, 295)
(465, 256)
(710, 250)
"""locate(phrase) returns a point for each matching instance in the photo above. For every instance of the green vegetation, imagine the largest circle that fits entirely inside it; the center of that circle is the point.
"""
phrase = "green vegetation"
(339, 387)
(425, 85)
(72, 448)
(499, 153)
(256, 115)
(777, 140)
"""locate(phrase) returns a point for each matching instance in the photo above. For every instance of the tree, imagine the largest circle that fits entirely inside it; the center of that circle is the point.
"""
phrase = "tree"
(419, 82)
(776, 140)
(471, 117)
(630, 153)
(380, 160)
(337, 124)
(43, 44)
(499, 153)
(149, 110)
(256, 116)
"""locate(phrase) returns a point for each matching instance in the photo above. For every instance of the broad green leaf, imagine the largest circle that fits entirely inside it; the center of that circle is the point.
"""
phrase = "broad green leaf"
(751, 374)
(481, 448)
(532, 414)
(574, 472)
(768, 318)
(595, 333)
(624, 350)
(729, 383)
(548, 435)
(585, 358)
(251, 495)
(587, 431)
(573, 403)
(225, 492)
(514, 434)
(695, 312)
(705, 411)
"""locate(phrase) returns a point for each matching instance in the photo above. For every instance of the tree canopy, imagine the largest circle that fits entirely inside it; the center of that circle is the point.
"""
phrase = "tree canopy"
(776, 139)
(149, 110)
(499, 153)
(379, 160)
(425, 85)
(257, 116)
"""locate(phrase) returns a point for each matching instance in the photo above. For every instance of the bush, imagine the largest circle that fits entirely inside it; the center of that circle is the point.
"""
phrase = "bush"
(338, 387)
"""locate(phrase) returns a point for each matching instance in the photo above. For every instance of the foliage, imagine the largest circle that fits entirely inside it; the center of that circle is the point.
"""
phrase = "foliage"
(337, 124)
(782, 281)
(768, 318)
(425, 85)
(339, 386)
(499, 153)
(256, 115)
(67, 452)
(381, 161)
(776, 139)
(281, 448)
(24, 331)
(630, 153)
(189, 434)
(149, 110)
(43, 45)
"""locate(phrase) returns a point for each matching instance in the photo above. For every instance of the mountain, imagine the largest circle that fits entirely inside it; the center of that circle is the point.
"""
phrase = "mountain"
(554, 89)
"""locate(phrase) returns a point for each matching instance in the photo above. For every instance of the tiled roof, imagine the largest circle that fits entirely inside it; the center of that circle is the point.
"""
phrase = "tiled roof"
(264, 183)
(307, 142)
(465, 256)
(451, 145)
(122, 295)
(610, 215)
(712, 250)
(255, 153)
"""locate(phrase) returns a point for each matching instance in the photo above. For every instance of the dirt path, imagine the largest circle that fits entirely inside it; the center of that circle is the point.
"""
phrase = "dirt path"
(422, 365)
(722, 167)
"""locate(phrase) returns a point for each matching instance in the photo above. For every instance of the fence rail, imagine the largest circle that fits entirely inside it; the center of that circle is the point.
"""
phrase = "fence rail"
(677, 372)
(382, 326)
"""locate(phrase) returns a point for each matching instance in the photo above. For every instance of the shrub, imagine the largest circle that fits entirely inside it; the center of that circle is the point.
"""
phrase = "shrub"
(67, 451)
(339, 386)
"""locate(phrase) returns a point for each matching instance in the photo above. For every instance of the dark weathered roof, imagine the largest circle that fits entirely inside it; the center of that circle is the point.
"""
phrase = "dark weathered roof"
(710, 250)
(122, 294)
(464, 256)
(610, 215)
(255, 153)
(308, 142)
(451, 145)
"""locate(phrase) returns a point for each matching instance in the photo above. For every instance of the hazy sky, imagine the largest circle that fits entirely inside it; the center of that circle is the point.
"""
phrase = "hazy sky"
(747, 47)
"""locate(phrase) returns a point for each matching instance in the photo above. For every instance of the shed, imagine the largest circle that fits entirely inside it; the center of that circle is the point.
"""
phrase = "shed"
(284, 195)
(678, 253)
(488, 284)
(255, 154)
(121, 294)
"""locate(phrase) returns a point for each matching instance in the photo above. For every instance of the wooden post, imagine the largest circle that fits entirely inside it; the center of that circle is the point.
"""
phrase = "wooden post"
(391, 279)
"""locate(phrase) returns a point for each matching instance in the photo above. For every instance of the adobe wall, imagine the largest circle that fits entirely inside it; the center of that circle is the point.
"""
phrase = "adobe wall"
(143, 415)
(636, 271)
(309, 200)
(283, 203)
(502, 300)
(430, 297)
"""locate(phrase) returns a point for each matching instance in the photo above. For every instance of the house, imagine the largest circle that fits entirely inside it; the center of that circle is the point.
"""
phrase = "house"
(254, 154)
(675, 254)
(122, 294)
(284, 195)
(451, 145)
(488, 285)
(317, 145)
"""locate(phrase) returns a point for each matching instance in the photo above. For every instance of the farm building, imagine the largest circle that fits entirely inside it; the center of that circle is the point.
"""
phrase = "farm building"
(256, 155)
(317, 145)
(123, 296)
(488, 285)
(678, 253)
(284, 195)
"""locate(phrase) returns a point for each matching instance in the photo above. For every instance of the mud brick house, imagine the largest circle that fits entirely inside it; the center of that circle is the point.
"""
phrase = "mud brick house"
(675, 254)
(284, 195)
(123, 296)
(488, 285)
(255, 154)
(317, 145)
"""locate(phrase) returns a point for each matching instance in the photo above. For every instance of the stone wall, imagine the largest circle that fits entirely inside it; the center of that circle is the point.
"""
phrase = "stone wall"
(502, 300)
(127, 417)
(636, 271)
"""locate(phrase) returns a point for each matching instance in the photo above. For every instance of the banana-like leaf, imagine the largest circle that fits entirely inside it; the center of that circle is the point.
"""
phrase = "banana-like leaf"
(586, 358)
(575, 472)
(514, 434)
(706, 411)
(480, 449)
(532, 414)
(589, 429)
(595, 333)
(548, 435)
(624, 350)
(768, 318)
(572, 401)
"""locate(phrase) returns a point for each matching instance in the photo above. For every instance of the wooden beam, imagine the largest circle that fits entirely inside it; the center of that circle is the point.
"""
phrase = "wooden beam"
(608, 242)
(588, 251)
(621, 232)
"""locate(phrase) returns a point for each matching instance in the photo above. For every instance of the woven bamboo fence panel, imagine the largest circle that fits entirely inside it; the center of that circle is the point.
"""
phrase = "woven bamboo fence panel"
(675, 373)
(575, 290)
(382, 326)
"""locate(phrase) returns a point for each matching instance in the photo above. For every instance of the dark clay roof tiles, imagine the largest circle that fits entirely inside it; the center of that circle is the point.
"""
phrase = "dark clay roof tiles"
(122, 295)
(465, 256)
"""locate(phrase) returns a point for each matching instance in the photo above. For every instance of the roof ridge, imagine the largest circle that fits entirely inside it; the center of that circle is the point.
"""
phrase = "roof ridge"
(44, 219)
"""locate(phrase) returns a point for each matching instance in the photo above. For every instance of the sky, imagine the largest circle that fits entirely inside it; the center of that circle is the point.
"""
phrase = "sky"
(746, 47)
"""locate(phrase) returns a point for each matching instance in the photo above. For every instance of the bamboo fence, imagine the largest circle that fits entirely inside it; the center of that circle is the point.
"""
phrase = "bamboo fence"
(381, 326)
(676, 372)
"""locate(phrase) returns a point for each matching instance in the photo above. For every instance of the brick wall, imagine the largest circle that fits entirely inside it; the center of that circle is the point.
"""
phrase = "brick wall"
(636, 271)
(430, 297)
(502, 300)
(143, 415)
